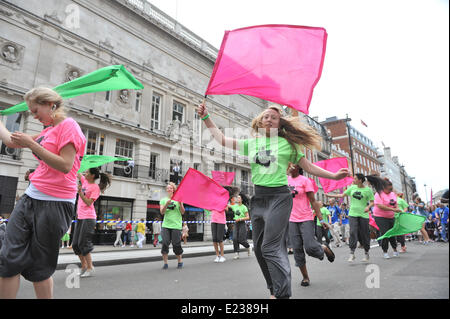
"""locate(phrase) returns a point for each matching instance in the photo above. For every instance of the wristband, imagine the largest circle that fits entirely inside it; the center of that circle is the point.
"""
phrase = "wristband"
(206, 117)
(321, 221)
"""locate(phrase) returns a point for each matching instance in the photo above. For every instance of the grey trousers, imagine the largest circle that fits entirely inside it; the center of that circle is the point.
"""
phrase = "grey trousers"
(270, 212)
(240, 236)
(171, 236)
(385, 224)
(303, 240)
(359, 229)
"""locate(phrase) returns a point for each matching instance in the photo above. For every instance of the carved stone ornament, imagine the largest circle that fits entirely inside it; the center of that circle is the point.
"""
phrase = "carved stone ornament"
(73, 73)
(11, 54)
(124, 96)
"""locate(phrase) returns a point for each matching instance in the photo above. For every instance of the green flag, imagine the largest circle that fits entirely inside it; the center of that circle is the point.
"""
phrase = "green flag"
(90, 161)
(405, 223)
(110, 78)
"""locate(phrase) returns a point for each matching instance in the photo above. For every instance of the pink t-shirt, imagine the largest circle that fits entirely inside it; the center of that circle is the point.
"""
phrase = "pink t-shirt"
(387, 200)
(301, 210)
(218, 217)
(51, 181)
(91, 191)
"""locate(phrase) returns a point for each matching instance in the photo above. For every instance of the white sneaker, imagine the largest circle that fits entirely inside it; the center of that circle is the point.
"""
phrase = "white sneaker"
(366, 258)
(217, 259)
(386, 256)
(222, 259)
(87, 273)
(236, 256)
(351, 258)
(395, 254)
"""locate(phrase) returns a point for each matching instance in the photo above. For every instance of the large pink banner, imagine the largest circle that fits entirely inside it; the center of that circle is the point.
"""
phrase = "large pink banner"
(278, 63)
(223, 178)
(199, 190)
(333, 165)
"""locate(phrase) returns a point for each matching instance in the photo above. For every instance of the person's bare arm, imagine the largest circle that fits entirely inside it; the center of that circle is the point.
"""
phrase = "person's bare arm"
(320, 172)
(216, 133)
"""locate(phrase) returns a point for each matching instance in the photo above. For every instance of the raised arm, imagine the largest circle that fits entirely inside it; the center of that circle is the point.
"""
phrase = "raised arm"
(216, 133)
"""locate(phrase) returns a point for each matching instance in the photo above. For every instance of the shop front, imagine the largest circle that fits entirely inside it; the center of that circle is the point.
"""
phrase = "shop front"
(194, 215)
(110, 209)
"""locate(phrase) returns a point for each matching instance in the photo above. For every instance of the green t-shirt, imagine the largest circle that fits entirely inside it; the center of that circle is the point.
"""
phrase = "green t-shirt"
(269, 159)
(402, 204)
(239, 211)
(172, 218)
(325, 213)
(359, 197)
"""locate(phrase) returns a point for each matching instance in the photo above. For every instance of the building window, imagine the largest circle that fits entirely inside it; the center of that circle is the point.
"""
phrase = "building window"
(197, 129)
(153, 163)
(95, 142)
(156, 107)
(231, 169)
(217, 167)
(138, 101)
(123, 149)
(108, 96)
(178, 112)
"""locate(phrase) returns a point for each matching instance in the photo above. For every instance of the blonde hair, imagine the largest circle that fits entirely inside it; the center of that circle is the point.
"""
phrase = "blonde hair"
(173, 185)
(292, 129)
(42, 96)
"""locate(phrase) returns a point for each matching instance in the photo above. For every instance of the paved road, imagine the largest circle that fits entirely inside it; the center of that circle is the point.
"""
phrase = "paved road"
(423, 272)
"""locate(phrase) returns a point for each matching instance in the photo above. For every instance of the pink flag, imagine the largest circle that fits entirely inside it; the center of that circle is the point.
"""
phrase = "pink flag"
(223, 178)
(372, 222)
(278, 63)
(333, 165)
(199, 190)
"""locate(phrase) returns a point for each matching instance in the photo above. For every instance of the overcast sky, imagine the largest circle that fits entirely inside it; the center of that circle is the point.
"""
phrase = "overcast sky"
(387, 63)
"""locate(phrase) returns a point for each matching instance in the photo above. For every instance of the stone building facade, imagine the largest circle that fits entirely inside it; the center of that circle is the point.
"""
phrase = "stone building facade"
(46, 44)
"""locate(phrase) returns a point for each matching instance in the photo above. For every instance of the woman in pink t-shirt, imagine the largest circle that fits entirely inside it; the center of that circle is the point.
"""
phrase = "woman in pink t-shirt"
(384, 211)
(301, 222)
(44, 213)
(88, 192)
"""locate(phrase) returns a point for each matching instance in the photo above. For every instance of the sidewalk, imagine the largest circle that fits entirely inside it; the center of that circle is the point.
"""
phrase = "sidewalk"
(110, 255)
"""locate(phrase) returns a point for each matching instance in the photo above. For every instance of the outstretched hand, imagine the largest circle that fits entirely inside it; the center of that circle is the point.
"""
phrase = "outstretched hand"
(342, 173)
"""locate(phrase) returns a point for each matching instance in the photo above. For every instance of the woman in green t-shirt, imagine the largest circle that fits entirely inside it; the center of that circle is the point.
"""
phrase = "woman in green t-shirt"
(240, 228)
(277, 142)
(171, 226)
(358, 216)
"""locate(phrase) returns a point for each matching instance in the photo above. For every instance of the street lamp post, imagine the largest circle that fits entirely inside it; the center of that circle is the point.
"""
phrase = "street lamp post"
(426, 195)
(350, 142)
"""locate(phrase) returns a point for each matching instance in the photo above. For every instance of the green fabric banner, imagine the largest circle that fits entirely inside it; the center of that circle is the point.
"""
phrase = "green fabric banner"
(110, 78)
(405, 223)
(90, 161)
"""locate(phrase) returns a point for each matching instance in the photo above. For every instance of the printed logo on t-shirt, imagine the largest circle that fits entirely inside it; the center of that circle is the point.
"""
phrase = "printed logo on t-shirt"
(357, 195)
(264, 158)
(293, 191)
(392, 202)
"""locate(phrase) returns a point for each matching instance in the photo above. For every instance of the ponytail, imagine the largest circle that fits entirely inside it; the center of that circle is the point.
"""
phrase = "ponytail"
(378, 183)
(105, 179)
